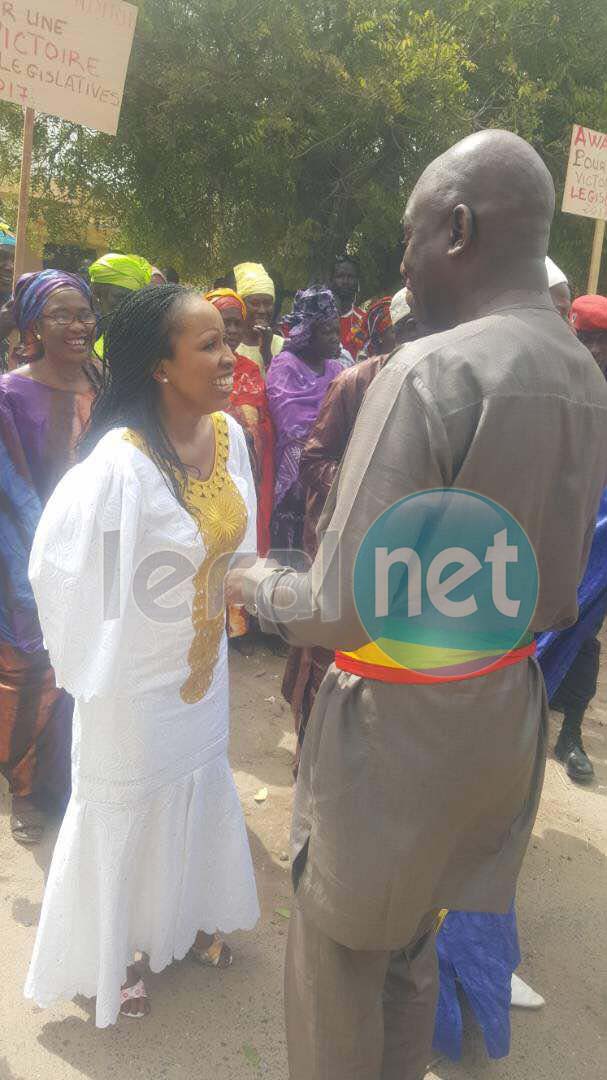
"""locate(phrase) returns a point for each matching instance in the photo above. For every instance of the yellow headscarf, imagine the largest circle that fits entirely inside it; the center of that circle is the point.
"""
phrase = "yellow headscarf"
(252, 280)
(129, 271)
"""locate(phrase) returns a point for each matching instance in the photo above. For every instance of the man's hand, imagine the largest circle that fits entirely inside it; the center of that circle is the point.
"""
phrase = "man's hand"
(234, 579)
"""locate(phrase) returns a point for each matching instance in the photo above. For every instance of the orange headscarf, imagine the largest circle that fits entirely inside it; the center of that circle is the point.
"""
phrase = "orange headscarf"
(226, 298)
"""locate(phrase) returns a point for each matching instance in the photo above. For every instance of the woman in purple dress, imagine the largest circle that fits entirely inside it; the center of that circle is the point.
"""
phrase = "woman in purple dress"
(296, 386)
(44, 405)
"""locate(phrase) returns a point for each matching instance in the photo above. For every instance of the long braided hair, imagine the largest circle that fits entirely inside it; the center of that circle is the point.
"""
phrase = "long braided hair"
(138, 337)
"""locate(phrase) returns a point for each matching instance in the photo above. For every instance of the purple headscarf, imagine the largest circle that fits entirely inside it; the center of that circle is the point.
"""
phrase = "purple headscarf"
(311, 306)
(33, 290)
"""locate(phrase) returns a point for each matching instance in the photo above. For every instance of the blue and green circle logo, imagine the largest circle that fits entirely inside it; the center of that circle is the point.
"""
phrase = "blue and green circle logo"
(446, 582)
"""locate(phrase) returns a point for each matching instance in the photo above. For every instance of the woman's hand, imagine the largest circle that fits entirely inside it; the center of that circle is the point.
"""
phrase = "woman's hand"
(265, 343)
(233, 586)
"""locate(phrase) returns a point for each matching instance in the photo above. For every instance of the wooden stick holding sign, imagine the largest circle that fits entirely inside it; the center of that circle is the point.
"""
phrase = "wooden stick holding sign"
(586, 188)
(595, 258)
(24, 193)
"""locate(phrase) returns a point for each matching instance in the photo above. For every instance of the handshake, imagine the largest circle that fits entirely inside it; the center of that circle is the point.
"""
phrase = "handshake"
(242, 579)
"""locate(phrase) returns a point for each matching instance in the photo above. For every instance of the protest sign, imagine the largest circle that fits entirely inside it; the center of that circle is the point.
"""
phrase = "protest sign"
(67, 58)
(586, 183)
(586, 188)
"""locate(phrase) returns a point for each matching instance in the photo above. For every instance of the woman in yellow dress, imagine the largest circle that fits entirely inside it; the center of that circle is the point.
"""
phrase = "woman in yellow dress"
(127, 569)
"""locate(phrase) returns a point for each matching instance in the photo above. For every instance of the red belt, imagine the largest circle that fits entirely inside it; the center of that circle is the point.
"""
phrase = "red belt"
(401, 675)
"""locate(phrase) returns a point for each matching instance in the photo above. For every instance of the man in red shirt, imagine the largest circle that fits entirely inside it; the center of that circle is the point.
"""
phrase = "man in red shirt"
(353, 320)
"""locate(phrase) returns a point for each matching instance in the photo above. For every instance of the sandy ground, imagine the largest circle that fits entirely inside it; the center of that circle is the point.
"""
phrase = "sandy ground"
(228, 1025)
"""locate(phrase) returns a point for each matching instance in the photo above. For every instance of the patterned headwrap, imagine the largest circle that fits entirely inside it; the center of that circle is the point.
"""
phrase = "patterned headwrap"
(311, 306)
(589, 313)
(380, 317)
(223, 299)
(33, 290)
(6, 237)
(252, 279)
(128, 271)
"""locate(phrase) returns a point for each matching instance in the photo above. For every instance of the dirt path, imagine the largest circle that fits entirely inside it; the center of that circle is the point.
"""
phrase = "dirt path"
(228, 1026)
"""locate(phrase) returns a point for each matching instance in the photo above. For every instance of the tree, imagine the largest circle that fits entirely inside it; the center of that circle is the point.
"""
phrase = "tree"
(288, 132)
(538, 69)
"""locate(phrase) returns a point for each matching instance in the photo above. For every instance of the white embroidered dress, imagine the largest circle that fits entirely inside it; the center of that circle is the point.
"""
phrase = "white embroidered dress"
(153, 846)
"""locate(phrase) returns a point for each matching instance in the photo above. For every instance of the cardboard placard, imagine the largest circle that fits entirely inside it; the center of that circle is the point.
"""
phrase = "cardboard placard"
(586, 183)
(68, 58)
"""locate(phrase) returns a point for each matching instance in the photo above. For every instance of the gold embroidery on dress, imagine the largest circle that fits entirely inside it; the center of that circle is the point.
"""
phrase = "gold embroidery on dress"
(221, 515)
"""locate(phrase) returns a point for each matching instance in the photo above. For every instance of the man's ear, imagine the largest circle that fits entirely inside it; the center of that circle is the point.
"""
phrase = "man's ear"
(462, 229)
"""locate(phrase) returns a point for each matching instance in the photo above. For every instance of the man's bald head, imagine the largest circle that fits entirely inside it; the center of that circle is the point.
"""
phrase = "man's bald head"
(477, 226)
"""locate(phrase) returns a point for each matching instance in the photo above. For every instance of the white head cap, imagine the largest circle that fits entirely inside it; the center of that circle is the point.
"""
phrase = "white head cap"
(399, 308)
(555, 276)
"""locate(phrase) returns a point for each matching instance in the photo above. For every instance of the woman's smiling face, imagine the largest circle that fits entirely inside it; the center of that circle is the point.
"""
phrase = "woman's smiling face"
(201, 367)
(67, 326)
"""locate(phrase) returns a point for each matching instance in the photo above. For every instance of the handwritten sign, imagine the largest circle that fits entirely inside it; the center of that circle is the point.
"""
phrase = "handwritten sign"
(586, 183)
(67, 58)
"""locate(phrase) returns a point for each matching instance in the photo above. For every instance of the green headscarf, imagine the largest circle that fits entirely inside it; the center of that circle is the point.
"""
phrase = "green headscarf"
(128, 271)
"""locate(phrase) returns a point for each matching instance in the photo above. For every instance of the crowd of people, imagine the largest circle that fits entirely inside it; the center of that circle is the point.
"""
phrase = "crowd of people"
(146, 424)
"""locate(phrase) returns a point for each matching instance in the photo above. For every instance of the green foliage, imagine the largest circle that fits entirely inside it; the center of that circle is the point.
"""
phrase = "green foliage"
(288, 131)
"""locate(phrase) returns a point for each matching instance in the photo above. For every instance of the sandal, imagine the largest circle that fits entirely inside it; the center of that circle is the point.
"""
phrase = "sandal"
(131, 993)
(27, 824)
(218, 954)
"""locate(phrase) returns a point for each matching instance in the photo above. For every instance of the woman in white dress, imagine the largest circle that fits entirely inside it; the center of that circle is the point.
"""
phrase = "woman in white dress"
(127, 568)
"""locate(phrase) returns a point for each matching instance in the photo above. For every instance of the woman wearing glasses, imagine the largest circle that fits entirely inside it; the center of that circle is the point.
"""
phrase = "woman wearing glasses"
(44, 405)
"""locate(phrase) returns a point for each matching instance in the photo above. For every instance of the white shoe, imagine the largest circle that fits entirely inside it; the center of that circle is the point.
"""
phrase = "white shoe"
(523, 997)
